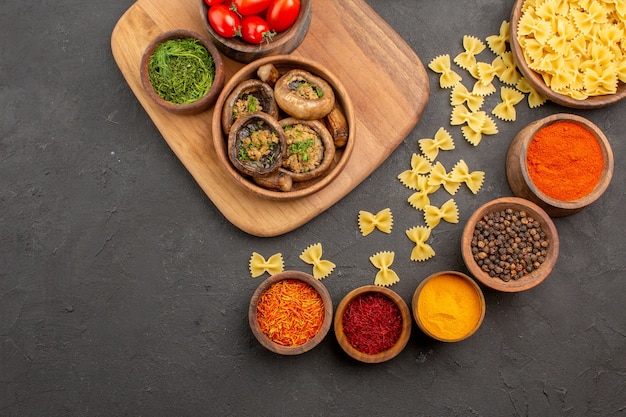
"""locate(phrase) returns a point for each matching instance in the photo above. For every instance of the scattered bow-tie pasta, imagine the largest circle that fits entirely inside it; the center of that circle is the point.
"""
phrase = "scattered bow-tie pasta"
(419, 199)
(534, 98)
(431, 147)
(422, 251)
(385, 277)
(439, 176)
(258, 265)
(420, 165)
(461, 95)
(448, 212)
(577, 47)
(505, 110)
(441, 65)
(313, 256)
(383, 221)
(473, 46)
(474, 180)
(498, 43)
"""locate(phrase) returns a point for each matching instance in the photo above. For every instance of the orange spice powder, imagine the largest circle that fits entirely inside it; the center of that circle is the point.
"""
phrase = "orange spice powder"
(565, 161)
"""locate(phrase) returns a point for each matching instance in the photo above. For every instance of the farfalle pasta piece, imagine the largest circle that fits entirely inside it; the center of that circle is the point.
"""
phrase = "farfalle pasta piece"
(498, 43)
(488, 127)
(438, 176)
(461, 115)
(422, 251)
(473, 46)
(419, 166)
(368, 222)
(461, 95)
(448, 212)
(258, 265)
(441, 65)
(312, 255)
(601, 81)
(474, 180)
(505, 110)
(534, 98)
(419, 199)
(507, 70)
(430, 147)
(385, 277)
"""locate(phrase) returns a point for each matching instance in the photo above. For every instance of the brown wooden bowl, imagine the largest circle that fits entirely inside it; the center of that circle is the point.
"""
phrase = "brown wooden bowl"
(387, 354)
(529, 280)
(281, 43)
(537, 82)
(285, 63)
(418, 314)
(203, 103)
(519, 178)
(315, 340)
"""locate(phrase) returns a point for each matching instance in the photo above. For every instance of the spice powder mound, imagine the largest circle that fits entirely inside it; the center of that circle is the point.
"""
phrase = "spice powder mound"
(372, 323)
(565, 161)
(449, 307)
(290, 312)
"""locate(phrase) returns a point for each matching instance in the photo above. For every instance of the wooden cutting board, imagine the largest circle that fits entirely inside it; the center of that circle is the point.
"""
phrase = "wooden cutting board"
(386, 81)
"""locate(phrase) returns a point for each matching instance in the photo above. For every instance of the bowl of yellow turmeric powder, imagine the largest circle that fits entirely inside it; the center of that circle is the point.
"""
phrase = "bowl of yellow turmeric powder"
(448, 306)
(290, 313)
(562, 163)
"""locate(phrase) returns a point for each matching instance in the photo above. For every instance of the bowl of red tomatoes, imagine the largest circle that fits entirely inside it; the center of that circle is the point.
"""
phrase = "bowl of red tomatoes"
(246, 30)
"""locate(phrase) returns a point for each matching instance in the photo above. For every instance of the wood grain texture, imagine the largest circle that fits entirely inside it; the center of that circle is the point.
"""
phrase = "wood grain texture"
(386, 80)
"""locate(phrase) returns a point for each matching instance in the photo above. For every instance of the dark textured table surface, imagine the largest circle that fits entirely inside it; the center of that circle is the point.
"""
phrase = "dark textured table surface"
(124, 291)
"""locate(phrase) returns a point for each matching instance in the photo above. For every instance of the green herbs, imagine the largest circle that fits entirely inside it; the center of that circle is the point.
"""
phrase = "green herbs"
(181, 70)
(301, 148)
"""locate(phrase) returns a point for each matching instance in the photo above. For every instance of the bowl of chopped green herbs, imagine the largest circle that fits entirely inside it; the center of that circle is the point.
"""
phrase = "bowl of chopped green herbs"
(182, 71)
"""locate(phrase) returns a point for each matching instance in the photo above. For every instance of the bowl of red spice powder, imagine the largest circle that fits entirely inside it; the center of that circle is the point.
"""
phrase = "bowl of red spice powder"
(372, 324)
(510, 244)
(448, 306)
(563, 163)
(290, 312)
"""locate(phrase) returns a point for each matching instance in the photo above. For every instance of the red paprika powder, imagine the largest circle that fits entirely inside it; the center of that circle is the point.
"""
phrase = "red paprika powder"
(565, 161)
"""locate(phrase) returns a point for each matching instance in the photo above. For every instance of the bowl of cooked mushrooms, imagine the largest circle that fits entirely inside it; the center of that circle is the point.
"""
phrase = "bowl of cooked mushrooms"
(283, 127)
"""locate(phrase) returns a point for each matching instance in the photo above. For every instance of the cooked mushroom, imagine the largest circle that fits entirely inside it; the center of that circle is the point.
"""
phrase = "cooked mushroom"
(256, 144)
(337, 126)
(278, 180)
(309, 148)
(303, 95)
(248, 97)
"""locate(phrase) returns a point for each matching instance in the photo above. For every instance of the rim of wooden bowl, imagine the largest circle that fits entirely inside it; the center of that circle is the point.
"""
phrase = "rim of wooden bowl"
(315, 340)
(529, 280)
(420, 287)
(554, 207)
(387, 354)
(281, 43)
(342, 155)
(537, 82)
(199, 105)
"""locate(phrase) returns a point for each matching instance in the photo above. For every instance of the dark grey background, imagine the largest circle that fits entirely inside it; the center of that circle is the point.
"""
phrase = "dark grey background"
(124, 291)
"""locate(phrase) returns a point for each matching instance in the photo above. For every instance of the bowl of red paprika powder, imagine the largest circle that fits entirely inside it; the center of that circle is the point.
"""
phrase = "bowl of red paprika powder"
(290, 313)
(562, 163)
(372, 324)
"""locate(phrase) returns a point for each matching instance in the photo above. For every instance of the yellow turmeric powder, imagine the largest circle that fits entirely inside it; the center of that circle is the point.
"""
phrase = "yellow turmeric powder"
(449, 307)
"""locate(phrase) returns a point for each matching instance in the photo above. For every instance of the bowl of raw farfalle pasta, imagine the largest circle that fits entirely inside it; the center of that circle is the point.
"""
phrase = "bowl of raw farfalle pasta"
(571, 52)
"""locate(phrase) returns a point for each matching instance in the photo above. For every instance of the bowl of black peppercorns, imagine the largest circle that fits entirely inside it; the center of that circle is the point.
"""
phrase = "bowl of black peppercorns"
(510, 244)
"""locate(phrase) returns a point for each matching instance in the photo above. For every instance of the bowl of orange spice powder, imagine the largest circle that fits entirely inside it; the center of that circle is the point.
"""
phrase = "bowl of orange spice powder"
(448, 306)
(562, 163)
(290, 312)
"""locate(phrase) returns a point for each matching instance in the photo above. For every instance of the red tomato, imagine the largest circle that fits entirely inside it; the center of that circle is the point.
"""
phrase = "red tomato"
(213, 2)
(255, 30)
(282, 13)
(224, 21)
(250, 7)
